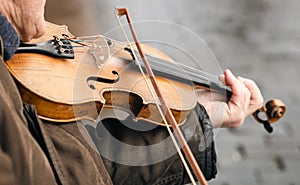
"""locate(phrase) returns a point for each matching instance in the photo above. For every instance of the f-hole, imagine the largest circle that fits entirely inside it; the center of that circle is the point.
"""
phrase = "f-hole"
(90, 80)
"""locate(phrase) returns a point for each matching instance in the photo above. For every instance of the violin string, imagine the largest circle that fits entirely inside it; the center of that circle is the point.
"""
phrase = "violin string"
(161, 65)
(191, 72)
(167, 65)
(156, 99)
(156, 61)
(199, 74)
(177, 63)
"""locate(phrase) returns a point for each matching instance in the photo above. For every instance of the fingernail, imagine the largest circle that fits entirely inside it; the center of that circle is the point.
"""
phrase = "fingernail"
(222, 78)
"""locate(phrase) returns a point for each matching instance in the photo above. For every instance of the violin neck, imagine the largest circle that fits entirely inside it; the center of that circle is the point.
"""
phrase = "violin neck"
(188, 75)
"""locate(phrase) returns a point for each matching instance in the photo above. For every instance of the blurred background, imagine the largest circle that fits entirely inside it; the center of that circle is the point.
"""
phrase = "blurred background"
(258, 39)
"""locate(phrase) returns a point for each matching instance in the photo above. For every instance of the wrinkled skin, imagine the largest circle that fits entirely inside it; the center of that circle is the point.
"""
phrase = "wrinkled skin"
(26, 16)
(246, 99)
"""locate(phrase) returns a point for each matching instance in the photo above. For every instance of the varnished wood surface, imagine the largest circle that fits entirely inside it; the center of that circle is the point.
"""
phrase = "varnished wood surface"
(58, 87)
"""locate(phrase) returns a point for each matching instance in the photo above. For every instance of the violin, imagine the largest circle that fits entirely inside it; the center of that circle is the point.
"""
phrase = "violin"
(71, 78)
(49, 70)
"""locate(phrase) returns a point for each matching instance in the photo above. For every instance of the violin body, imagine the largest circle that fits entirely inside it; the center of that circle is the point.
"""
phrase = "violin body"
(65, 90)
(68, 86)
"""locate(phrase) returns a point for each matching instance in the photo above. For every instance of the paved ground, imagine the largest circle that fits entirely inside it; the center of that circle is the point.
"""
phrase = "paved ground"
(257, 39)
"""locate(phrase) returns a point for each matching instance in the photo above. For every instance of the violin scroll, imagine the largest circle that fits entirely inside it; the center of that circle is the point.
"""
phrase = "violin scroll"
(273, 111)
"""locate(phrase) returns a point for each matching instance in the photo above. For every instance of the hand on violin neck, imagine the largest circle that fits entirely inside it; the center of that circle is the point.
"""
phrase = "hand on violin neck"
(246, 98)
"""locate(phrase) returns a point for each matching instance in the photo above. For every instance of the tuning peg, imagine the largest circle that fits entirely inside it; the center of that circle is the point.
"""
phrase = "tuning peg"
(270, 113)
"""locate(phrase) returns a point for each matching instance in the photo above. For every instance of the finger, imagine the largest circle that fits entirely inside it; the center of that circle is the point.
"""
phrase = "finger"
(239, 102)
(256, 98)
(252, 87)
(240, 94)
(229, 79)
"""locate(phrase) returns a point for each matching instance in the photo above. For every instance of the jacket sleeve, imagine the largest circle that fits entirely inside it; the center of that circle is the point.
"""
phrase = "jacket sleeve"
(202, 144)
(10, 38)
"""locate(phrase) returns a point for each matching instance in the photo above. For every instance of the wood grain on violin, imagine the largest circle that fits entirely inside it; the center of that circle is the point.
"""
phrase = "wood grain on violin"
(66, 90)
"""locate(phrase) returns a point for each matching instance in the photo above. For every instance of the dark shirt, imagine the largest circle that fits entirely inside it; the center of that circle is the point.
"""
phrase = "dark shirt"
(9, 37)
